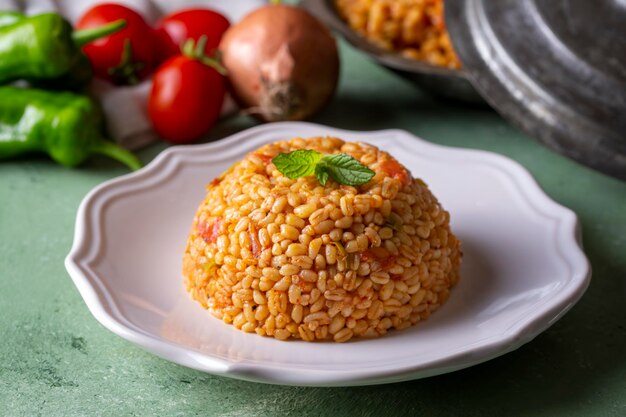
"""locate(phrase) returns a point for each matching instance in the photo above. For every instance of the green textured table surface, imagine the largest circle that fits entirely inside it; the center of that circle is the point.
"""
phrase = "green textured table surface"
(57, 360)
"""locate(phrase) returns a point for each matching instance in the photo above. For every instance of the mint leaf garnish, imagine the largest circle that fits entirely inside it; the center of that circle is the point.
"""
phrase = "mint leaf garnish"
(321, 174)
(342, 168)
(296, 164)
(346, 170)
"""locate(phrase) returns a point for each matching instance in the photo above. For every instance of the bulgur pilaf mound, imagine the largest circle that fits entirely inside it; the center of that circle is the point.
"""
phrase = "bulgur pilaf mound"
(416, 28)
(290, 258)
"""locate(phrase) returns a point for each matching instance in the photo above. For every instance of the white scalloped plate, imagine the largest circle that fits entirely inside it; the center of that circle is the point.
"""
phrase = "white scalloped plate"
(523, 266)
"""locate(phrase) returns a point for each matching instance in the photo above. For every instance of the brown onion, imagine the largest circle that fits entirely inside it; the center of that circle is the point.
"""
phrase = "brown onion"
(282, 63)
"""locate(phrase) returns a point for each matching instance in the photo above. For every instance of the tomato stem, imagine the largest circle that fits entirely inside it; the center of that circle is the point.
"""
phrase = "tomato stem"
(200, 45)
(195, 50)
(127, 70)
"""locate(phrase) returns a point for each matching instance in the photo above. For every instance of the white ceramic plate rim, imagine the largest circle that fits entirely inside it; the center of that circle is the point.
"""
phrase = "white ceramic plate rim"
(99, 301)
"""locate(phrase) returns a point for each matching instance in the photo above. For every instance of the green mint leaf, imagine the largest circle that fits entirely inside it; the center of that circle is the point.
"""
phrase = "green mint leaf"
(321, 173)
(342, 168)
(346, 170)
(296, 164)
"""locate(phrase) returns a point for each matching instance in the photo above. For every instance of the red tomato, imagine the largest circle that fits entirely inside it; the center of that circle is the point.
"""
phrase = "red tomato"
(393, 168)
(186, 99)
(125, 57)
(173, 30)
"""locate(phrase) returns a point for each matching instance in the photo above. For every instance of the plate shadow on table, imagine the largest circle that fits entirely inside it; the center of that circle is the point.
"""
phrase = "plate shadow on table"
(353, 112)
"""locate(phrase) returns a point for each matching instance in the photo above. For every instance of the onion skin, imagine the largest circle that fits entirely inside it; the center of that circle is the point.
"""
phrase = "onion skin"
(282, 63)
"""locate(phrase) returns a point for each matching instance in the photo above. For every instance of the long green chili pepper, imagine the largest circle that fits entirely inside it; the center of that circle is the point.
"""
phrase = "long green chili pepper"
(8, 18)
(44, 47)
(76, 79)
(64, 125)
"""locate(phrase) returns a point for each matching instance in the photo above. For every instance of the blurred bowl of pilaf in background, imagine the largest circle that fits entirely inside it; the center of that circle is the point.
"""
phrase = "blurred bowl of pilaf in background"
(408, 37)
(414, 28)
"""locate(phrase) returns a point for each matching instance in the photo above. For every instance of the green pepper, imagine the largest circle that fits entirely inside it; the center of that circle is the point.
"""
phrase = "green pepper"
(8, 18)
(76, 79)
(78, 76)
(44, 47)
(64, 125)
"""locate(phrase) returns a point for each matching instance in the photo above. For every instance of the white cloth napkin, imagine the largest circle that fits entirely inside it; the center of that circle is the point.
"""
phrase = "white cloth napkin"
(125, 107)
